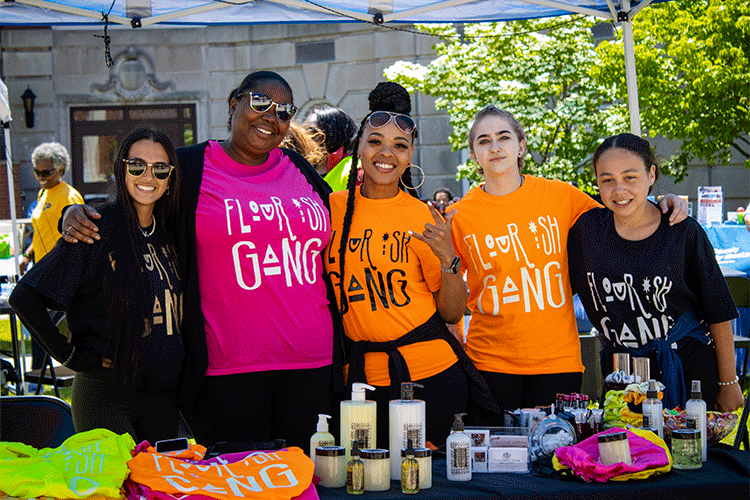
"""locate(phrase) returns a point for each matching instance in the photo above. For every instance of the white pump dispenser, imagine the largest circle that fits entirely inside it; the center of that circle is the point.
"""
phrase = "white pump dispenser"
(358, 420)
(458, 452)
(406, 417)
(322, 437)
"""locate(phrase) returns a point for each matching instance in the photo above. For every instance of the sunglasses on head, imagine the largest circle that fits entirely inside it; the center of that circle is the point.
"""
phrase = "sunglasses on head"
(43, 173)
(382, 118)
(137, 167)
(260, 103)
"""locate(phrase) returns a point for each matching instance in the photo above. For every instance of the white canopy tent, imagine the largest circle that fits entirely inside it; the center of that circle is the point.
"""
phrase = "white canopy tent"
(142, 13)
(5, 119)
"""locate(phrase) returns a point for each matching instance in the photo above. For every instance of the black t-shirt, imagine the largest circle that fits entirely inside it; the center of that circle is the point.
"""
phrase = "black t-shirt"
(634, 291)
(71, 278)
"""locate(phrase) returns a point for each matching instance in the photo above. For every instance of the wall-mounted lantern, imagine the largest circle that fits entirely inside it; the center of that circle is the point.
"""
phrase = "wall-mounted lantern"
(28, 106)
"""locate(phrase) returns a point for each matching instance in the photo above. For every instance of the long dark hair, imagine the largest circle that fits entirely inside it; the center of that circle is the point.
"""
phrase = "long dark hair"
(127, 288)
(386, 96)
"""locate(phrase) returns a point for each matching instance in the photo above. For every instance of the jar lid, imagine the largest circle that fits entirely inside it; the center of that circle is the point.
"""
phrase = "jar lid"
(374, 453)
(612, 436)
(419, 452)
(329, 451)
(685, 434)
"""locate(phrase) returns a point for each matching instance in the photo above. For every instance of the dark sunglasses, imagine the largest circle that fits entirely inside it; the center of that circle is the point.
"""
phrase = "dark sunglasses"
(43, 173)
(382, 118)
(260, 103)
(137, 167)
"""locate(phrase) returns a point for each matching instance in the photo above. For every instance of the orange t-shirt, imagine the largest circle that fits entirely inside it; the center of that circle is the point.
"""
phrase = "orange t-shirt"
(261, 475)
(390, 278)
(514, 249)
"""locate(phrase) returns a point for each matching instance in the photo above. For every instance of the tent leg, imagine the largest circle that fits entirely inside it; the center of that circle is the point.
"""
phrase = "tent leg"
(630, 73)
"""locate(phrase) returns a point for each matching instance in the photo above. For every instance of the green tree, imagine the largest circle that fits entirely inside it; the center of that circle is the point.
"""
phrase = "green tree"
(537, 69)
(692, 59)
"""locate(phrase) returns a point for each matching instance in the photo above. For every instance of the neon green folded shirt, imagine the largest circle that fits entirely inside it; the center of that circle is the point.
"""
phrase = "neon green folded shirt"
(88, 463)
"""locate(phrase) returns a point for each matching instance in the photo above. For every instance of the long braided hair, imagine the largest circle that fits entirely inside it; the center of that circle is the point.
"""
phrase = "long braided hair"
(386, 96)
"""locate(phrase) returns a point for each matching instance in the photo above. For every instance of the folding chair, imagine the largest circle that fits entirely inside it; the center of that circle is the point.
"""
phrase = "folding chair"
(38, 421)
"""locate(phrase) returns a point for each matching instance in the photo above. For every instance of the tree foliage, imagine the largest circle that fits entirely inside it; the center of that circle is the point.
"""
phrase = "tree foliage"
(537, 69)
(693, 64)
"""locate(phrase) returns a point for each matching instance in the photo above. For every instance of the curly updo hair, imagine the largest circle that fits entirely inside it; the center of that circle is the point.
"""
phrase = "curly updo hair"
(386, 96)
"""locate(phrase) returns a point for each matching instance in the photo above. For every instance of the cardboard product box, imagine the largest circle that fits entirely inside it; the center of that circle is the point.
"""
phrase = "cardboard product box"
(509, 441)
(479, 457)
(508, 460)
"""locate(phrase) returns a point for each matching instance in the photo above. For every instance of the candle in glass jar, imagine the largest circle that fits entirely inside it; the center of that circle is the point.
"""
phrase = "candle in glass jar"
(686, 449)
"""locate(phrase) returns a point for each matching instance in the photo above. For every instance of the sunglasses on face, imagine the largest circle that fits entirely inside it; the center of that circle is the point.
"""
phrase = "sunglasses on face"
(260, 103)
(43, 173)
(137, 167)
(382, 118)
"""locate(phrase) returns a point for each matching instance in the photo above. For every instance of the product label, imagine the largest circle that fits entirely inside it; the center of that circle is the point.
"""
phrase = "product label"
(692, 423)
(413, 432)
(361, 434)
(355, 480)
(647, 421)
(410, 477)
(460, 459)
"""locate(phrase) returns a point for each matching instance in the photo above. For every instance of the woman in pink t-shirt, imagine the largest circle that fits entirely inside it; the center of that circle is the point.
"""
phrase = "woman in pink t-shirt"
(260, 326)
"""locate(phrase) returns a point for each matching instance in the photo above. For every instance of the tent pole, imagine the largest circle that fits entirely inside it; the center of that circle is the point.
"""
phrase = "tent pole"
(630, 73)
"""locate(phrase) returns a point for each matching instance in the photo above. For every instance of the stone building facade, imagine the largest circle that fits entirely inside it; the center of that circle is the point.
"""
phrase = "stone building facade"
(181, 77)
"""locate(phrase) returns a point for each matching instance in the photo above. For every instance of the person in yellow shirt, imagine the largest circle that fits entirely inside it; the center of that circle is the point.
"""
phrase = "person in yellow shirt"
(49, 160)
(396, 276)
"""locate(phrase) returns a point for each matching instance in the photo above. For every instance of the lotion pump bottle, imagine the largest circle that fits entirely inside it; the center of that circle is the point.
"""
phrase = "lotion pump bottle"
(695, 408)
(653, 417)
(458, 451)
(406, 418)
(322, 437)
(358, 420)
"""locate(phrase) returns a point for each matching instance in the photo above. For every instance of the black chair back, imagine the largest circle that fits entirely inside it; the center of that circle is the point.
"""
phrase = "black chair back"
(38, 421)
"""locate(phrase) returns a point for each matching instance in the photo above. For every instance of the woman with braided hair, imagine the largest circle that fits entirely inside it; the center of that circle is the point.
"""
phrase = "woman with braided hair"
(392, 263)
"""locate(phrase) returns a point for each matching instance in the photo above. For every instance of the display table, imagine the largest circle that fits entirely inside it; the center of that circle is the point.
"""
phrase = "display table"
(731, 243)
(725, 476)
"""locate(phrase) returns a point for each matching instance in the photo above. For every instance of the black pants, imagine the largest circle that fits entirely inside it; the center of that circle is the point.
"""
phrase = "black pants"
(445, 394)
(698, 363)
(523, 391)
(98, 401)
(261, 406)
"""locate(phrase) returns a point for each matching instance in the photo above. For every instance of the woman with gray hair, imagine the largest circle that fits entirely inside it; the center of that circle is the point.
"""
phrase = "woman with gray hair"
(49, 160)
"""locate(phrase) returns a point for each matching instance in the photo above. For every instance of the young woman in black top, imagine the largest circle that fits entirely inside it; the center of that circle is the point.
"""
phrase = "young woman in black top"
(123, 299)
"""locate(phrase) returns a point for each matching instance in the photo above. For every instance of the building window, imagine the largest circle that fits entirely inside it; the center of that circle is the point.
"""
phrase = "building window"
(310, 52)
(96, 132)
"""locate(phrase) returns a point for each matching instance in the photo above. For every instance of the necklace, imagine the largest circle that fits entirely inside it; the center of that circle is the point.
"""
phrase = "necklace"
(146, 232)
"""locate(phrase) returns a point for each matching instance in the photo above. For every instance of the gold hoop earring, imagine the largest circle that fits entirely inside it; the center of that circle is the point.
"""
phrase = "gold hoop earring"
(418, 185)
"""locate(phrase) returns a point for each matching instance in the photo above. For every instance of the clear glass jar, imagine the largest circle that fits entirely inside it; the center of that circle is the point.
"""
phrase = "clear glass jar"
(330, 466)
(377, 469)
(614, 448)
(686, 449)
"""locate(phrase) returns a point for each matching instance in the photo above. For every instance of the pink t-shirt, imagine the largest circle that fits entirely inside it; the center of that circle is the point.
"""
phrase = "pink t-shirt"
(259, 232)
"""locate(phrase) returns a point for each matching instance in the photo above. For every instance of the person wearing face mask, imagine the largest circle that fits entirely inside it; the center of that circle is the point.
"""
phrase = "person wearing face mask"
(511, 232)
(123, 299)
(677, 306)
(397, 275)
(261, 326)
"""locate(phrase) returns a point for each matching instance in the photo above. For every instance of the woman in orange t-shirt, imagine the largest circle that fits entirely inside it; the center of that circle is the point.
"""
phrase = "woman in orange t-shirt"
(511, 233)
(400, 274)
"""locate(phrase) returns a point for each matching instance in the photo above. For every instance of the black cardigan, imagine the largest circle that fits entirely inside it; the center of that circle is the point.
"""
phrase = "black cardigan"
(193, 332)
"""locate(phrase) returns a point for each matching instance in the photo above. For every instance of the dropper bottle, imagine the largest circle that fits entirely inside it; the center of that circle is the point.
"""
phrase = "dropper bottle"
(410, 471)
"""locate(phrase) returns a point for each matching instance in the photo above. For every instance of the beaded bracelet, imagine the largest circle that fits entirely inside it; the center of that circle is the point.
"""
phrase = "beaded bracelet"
(736, 379)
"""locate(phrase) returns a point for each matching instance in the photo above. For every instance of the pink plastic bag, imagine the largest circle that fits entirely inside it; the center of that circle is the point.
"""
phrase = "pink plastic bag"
(583, 458)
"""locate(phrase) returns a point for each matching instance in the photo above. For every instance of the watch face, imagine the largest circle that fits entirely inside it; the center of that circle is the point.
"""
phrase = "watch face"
(456, 265)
